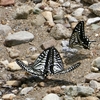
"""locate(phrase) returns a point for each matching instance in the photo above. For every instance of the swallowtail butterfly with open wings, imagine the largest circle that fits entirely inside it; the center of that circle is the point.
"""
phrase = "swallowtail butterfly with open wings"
(78, 37)
(49, 61)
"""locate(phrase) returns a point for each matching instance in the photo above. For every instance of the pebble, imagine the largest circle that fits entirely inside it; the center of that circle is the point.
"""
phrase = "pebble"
(78, 90)
(38, 21)
(48, 16)
(51, 96)
(92, 76)
(95, 8)
(71, 18)
(53, 4)
(30, 99)
(13, 83)
(41, 84)
(66, 97)
(14, 66)
(48, 44)
(56, 90)
(92, 20)
(13, 53)
(64, 43)
(18, 38)
(94, 84)
(23, 11)
(25, 90)
(10, 96)
(96, 62)
(5, 63)
(33, 57)
(66, 4)
(92, 98)
(59, 31)
(78, 12)
(4, 30)
(94, 69)
(6, 2)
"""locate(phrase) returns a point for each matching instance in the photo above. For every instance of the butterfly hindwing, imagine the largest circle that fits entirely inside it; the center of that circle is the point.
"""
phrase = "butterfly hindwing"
(78, 36)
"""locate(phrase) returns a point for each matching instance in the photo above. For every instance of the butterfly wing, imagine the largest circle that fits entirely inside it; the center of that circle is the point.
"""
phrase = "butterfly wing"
(49, 61)
(78, 36)
(71, 68)
(29, 69)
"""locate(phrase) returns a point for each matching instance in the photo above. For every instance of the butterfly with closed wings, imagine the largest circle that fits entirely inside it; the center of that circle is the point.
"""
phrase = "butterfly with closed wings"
(49, 61)
(78, 37)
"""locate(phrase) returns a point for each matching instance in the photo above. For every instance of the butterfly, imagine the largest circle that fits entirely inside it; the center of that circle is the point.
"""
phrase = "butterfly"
(48, 62)
(78, 37)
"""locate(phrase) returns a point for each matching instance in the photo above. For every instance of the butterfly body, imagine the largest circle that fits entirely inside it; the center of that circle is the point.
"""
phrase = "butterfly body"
(78, 37)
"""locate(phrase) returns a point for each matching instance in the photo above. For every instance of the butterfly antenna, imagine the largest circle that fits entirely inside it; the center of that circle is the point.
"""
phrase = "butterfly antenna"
(71, 68)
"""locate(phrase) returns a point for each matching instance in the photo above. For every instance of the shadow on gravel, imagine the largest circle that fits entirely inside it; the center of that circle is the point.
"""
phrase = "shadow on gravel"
(48, 82)
(75, 58)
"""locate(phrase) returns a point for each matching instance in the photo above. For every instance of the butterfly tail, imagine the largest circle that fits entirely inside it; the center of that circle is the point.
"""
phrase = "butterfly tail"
(21, 64)
(71, 68)
(29, 69)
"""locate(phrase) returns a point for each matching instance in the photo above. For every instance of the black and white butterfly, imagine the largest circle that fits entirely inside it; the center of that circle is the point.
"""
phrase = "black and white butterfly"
(78, 37)
(48, 62)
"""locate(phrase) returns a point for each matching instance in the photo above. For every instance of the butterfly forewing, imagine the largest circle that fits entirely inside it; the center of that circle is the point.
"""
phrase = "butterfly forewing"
(28, 68)
(58, 64)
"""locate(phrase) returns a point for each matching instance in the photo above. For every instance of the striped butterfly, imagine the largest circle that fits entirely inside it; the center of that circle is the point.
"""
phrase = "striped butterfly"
(49, 61)
(78, 37)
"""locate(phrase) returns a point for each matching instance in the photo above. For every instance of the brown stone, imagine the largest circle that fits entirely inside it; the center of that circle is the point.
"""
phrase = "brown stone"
(6, 2)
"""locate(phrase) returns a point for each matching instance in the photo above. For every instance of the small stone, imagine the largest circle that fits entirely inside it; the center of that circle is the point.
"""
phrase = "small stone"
(96, 62)
(13, 53)
(66, 97)
(92, 76)
(78, 90)
(49, 18)
(56, 90)
(64, 43)
(38, 21)
(91, 98)
(78, 12)
(85, 91)
(14, 66)
(4, 30)
(92, 20)
(23, 11)
(48, 44)
(53, 4)
(25, 90)
(10, 96)
(33, 57)
(59, 31)
(95, 8)
(70, 18)
(18, 38)
(94, 69)
(15, 91)
(51, 96)
(94, 84)
(41, 84)
(66, 4)
(6, 2)
(30, 99)
(5, 63)
(13, 83)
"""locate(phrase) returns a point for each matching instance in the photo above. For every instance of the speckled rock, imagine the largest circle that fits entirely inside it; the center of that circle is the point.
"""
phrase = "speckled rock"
(51, 96)
(25, 90)
(95, 8)
(23, 11)
(18, 38)
(59, 32)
